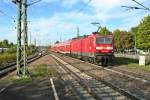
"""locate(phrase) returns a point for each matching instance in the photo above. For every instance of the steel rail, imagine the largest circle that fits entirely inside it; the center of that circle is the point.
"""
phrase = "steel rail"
(117, 72)
(122, 91)
(11, 67)
(141, 77)
(76, 85)
(147, 75)
(79, 80)
(12, 63)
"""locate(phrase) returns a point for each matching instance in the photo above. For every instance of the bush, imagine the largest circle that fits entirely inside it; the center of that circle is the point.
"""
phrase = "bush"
(11, 50)
(5, 57)
(10, 54)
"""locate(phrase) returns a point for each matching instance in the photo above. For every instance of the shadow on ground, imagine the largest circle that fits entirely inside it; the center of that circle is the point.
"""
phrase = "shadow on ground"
(124, 61)
(38, 90)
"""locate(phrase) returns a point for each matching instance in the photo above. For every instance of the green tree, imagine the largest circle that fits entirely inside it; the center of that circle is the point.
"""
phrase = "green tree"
(117, 39)
(12, 49)
(143, 34)
(104, 31)
(134, 30)
(11, 44)
(123, 40)
(57, 42)
(1, 44)
(127, 40)
(6, 44)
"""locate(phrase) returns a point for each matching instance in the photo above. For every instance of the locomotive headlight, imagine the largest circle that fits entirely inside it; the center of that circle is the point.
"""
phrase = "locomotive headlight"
(109, 48)
(99, 48)
(104, 48)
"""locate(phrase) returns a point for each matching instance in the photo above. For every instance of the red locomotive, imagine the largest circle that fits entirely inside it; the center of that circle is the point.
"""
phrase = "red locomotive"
(94, 48)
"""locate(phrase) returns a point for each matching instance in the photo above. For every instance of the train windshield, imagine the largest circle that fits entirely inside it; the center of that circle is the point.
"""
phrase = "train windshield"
(102, 40)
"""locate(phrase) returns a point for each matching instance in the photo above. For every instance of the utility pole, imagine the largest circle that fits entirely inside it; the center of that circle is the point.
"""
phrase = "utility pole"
(19, 49)
(135, 43)
(25, 37)
(35, 41)
(78, 32)
(22, 51)
(60, 37)
(30, 38)
(28, 33)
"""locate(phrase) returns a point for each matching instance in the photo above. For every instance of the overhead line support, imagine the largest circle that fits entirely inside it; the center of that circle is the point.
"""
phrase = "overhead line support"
(22, 37)
(25, 37)
(19, 49)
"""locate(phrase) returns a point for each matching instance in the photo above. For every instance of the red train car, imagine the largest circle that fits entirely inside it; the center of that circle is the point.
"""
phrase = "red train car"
(94, 48)
(63, 47)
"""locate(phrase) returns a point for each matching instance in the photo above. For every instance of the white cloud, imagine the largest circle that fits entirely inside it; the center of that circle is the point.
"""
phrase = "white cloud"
(69, 2)
(8, 32)
(49, 1)
(44, 28)
(72, 2)
(6, 1)
(105, 3)
(44, 1)
(48, 29)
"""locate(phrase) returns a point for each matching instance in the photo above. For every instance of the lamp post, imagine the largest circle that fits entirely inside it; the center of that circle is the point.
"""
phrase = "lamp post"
(135, 43)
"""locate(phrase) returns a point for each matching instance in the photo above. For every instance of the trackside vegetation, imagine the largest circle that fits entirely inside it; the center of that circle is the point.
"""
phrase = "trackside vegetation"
(139, 34)
(36, 73)
(131, 64)
(6, 44)
(104, 31)
(9, 54)
(136, 66)
(7, 57)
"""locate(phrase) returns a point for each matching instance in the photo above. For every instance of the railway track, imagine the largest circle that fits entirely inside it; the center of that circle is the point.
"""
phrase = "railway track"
(78, 91)
(97, 87)
(12, 66)
(132, 84)
(137, 76)
(145, 78)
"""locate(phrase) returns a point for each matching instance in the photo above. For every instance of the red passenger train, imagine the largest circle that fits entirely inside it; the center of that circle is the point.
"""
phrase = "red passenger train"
(94, 48)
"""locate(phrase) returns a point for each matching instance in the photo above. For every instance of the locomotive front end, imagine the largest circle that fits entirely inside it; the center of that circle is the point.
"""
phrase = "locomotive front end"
(104, 50)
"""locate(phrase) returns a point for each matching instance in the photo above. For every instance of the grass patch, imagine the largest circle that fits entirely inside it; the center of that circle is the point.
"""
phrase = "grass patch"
(131, 63)
(125, 61)
(10, 56)
(53, 73)
(37, 73)
(21, 80)
(5, 57)
(43, 71)
(136, 66)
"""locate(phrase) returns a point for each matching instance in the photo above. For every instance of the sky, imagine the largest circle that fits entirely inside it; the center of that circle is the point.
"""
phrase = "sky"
(52, 20)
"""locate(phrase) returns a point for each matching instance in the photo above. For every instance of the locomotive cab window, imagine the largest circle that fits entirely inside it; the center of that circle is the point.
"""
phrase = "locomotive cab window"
(102, 40)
